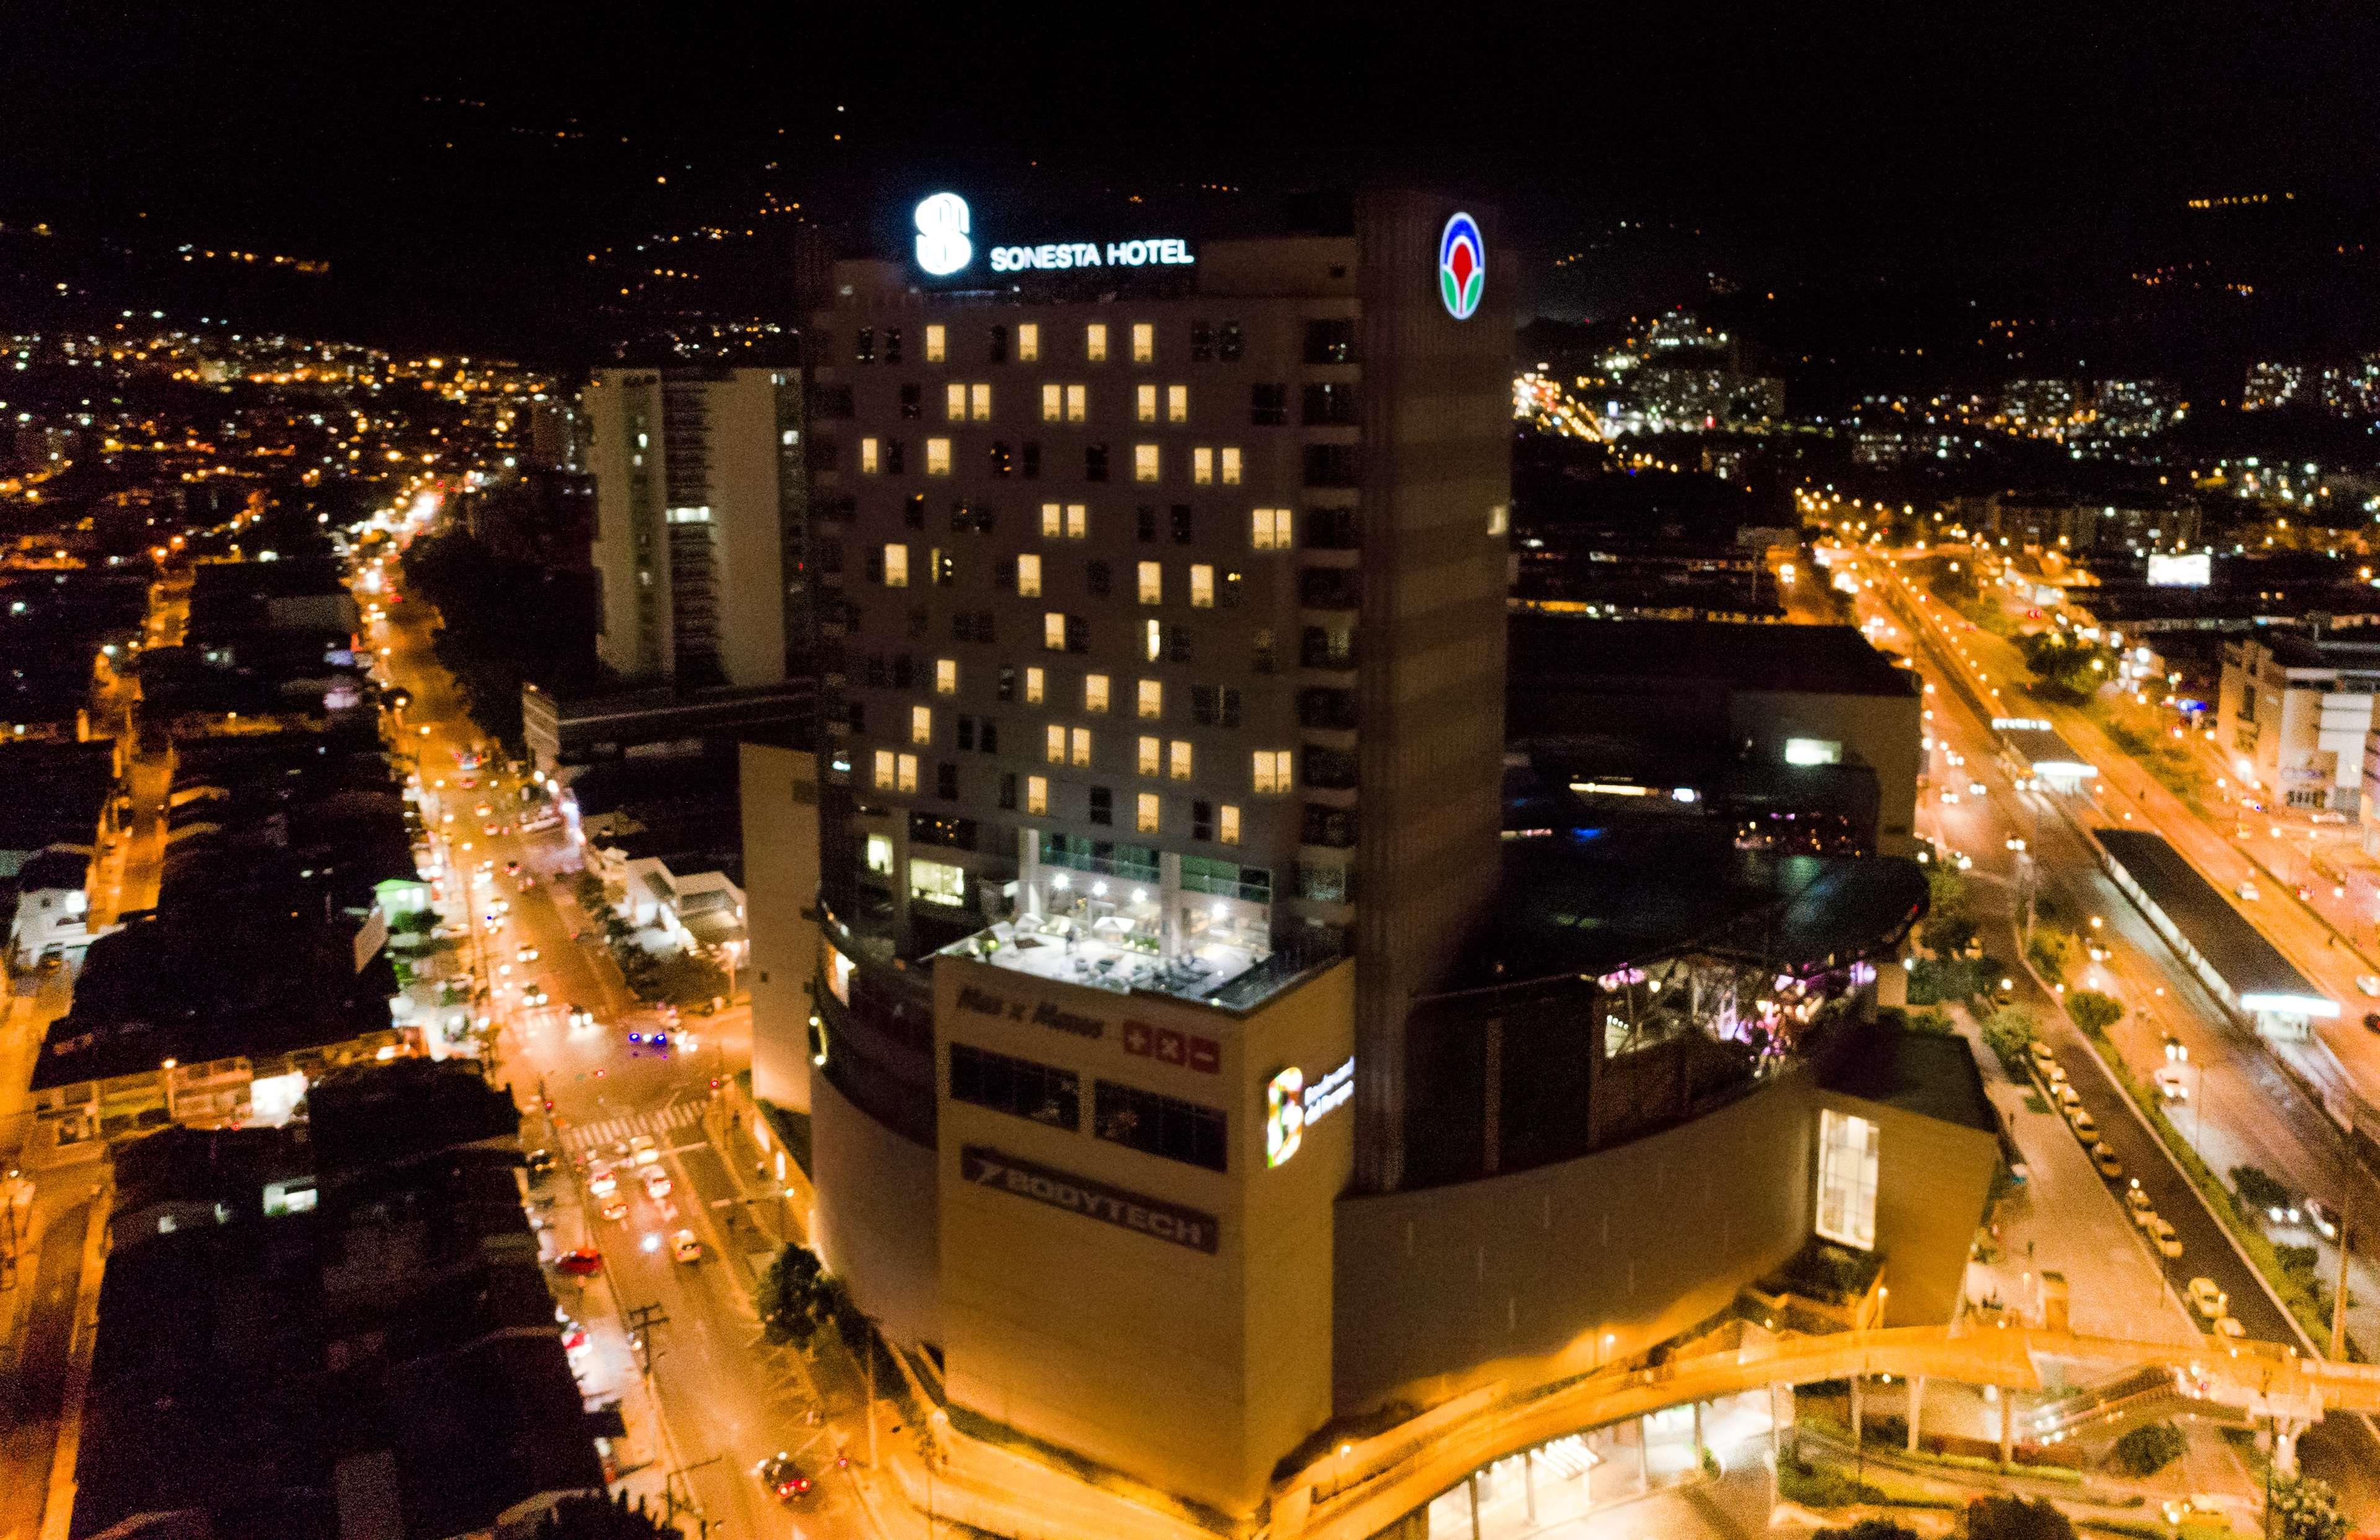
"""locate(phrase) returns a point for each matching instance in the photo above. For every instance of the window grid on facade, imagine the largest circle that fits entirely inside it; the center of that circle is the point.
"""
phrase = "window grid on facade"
(1028, 577)
(1037, 794)
(1017, 1087)
(1159, 1125)
(1152, 700)
(937, 341)
(1145, 462)
(1145, 813)
(1152, 582)
(1177, 759)
(1272, 770)
(1078, 747)
(1095, 342)
(1029, 343)
(1177, 402)
(1095, 693)
(938, 457)
(1270, 530)
(946, 676)
(1847, 1180)
(921, 724)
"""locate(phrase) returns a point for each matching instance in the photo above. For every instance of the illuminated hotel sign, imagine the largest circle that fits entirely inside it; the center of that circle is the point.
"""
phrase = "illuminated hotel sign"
(1291, 1106)
(983, 1167)
(945, 227)
(1461, 266)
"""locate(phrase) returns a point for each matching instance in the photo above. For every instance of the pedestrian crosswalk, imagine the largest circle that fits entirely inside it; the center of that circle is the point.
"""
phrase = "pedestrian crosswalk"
(612, 1131)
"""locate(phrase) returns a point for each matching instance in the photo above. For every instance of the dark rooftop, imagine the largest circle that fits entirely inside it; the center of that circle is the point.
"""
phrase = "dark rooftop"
(2234, 949)
(1933, 1075)
(1647, 655)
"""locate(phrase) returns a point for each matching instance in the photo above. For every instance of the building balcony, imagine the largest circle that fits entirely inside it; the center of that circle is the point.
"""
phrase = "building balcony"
(1325, 710)
(1331, 589)
(1327, 828)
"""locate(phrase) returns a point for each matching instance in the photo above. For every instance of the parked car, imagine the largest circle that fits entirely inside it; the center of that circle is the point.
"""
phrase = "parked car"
(2136, 1199)
(2207, 1299)
(782, 1476)
(2169, 1245)
(586, 1262)
(2084, 1126)
(2104, 1157)
(2170, 1083)
(685, 1247)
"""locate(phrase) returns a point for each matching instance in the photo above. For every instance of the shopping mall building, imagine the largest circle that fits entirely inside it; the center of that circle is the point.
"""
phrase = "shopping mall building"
(1200, 1067)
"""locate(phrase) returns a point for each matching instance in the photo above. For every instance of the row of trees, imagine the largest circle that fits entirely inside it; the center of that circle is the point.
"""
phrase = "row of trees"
(2299, 1508)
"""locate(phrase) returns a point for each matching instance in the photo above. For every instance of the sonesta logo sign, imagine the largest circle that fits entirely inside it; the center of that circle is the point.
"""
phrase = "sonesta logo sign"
(944, 223)
(983, 1167)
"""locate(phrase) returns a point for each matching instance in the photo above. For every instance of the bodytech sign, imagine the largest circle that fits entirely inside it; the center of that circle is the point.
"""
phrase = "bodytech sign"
(1166, 1221)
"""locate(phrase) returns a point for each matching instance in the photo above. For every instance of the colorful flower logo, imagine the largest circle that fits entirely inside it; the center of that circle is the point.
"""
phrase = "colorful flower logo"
(1461, 266)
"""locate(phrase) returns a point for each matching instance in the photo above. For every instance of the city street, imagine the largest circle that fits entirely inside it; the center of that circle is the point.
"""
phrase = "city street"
(727, 1400)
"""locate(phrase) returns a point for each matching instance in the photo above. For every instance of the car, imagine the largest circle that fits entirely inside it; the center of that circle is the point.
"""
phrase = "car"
(2169, 1245)
(586, 1262)
(490, 829)
(2041, 1054)
(1976, 788)
(541, 1164)
(657, 1183)
(2372, 1021)
(685, 1247)
(2056, 1074)
(1949, 797)
(2170, 1084)
(2207, 1299)
(2228, 1328)
(2104, 1157)
(512, 869)
(2084, 1126)
(533, 994)
(581, 1017)
(483, 810)
(2067, 1097)
(2323, 1217)
(603, 1181)
(2137, 1199)
(527, 883)
(2247, 891)
(643, 1150)
(526, 954)
(616, 1209)
(782, 1476)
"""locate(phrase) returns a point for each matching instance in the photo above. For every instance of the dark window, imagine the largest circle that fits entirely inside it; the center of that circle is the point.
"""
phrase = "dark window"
(1007, 690)
(962, 626)
(1261, 656)
(1235, 590)
(913, 400)
(1214, 706)
(999, 350)
(1008, 791)
(1182, 524)
(1202, 820)
(1004, 574)
(1329, 405)
(826, 452)
(1095, 577)
(896, 457)
(1002, 462)
(1102, 805)
(1147, 522)
(1032, 468)
(1017, 1087)
(946, 782)
(989, 740)
(1078, 634)
(983, 632)
(966, 735)
(892, 344)
(876, 671)
(1330, 341)
(1269, 406)
(1227, 342)
(1095, 461)
(905, 672)
(1157, 1124)
(1332, 529)
(940, 829)
(919, 619)
(1327, 647)
(1202, 342)
(831, 401)
(1329, 464)
(876, 563)
(912, 512)
(941, 568)
(1177, 644)
(863, 345)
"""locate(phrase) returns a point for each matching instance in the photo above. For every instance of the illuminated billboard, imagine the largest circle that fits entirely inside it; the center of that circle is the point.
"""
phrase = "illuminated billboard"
(2193, 571)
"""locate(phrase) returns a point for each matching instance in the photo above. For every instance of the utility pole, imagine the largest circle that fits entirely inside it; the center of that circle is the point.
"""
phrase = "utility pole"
(2339, 1297)
(869, 1347)
(641, 1319)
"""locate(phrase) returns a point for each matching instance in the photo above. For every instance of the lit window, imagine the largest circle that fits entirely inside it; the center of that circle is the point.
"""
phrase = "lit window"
(955, 402)
(1029, 343)
(884, 772)
(1152, 582)
(1177, 402)
(938, 457)
(1847, 1176)
(979, 403)
(879, 847)
(1202, 587)
(1231, 467)
(1813, 751)
(1049, 408)
(1051, 515)
(1152, 755)
(1177, 759)
(1144, 815)
(1152, 700)
(1202, 466)
(1227, 824)
(1270, 530)
(1095, 692)
(896, 566)
(1095, 342)
(1145, 403)
(1056, 744)
(1077, 402)
(868, 457)
(1028, 576)
(1033, 679)
(1144, 462)
(908, 778)
(1500, 519)
(921, 724)
(1079, 747)
(946, 676)
(1143, 343)
(937, 883)
(1272, 769)
(1053, 631)
(1156, 641)
(935, 338)
(1037, 794)
(1078, 521)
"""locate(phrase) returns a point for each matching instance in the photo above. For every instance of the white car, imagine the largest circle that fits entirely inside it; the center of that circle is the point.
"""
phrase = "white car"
(1975, 788)
(643, 1149)
(2368, 982)
(2170, 1084)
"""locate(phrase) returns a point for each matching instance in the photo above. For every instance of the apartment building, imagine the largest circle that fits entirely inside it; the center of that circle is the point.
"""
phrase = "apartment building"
(701, 519)
(2294, 714)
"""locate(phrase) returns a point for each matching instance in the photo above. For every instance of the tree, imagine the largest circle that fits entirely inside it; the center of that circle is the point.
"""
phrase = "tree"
(795, 1295)
(2258, 1188)
(1946, 887)
(2011, 1033)
(2303, 1508)
(2094, 1011)
(1869, 1529)
(2149, 1448)
(2015, 1518)
(1947, 935)
(2051, 953)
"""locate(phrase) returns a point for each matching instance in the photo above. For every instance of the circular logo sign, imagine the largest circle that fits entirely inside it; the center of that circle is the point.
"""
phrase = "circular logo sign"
(1462, 265)
(942, 226)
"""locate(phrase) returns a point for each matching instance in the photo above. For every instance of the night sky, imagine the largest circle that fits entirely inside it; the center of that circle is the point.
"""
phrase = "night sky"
(453, 161)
